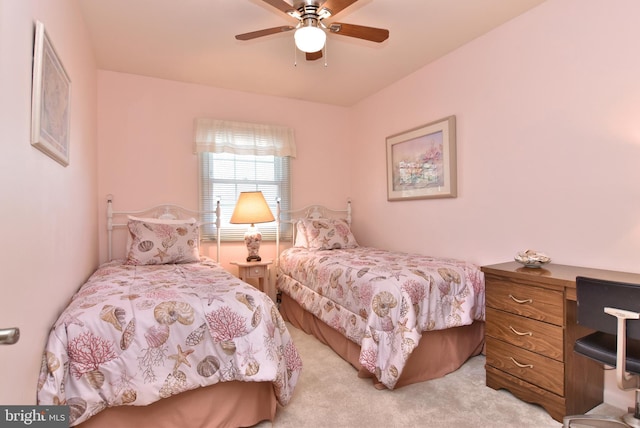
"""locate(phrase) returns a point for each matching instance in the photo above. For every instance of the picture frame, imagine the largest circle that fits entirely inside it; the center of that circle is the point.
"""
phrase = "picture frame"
(51, 100)
(421, 162)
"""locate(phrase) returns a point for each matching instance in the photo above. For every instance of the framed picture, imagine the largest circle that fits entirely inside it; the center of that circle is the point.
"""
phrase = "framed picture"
(51, 100)
(421, 162)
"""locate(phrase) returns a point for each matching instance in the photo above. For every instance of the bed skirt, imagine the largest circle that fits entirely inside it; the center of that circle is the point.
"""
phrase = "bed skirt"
(226, 404)
(439, 352)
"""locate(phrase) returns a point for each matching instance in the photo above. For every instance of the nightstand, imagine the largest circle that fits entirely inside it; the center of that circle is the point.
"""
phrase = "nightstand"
(258, 270)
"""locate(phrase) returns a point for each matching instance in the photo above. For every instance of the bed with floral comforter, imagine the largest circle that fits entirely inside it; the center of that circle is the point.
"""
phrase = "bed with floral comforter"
(383, 301)
(133, 335)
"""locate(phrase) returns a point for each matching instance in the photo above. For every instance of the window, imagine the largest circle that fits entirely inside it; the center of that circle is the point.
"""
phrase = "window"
(238, 157)
(225, 175)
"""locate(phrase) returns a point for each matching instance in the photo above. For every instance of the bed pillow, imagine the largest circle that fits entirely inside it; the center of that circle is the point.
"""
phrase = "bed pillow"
(158, 241)
(328, 234)
(301, 235)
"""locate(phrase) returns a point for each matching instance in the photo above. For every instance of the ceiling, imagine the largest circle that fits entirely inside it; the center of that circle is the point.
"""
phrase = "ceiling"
(193, 41)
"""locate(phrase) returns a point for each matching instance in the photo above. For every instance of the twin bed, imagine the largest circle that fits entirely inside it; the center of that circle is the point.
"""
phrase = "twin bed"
(396, 317)
(167, 338)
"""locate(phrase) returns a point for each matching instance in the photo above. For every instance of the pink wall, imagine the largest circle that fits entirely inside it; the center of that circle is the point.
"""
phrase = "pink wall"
(49, 213)
(548, 110)
(548, 122)
(145, 135)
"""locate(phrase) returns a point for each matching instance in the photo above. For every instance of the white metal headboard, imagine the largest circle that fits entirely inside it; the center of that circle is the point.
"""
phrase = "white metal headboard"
(308, 212)
(118, 219)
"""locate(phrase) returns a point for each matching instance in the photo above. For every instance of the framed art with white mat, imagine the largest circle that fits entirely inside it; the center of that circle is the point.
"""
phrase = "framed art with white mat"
(51, 99)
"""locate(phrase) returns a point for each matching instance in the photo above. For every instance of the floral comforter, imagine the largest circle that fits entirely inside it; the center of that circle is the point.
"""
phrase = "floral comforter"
(383, 300)
(135, 334)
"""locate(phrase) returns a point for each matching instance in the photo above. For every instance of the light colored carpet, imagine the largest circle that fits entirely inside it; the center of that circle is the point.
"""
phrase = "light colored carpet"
(329, 394)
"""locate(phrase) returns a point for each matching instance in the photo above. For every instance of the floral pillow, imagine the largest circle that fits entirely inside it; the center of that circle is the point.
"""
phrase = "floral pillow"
(157, 241)
(328, 234)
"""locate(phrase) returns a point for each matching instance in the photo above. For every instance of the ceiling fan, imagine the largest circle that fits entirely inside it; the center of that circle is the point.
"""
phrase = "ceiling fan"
(311, 32)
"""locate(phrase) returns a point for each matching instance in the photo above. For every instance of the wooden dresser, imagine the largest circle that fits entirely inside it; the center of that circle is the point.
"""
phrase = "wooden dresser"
(530, 330)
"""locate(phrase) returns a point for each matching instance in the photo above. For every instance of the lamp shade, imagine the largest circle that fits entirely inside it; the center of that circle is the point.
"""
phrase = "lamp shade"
(251, 208)
(310, 38)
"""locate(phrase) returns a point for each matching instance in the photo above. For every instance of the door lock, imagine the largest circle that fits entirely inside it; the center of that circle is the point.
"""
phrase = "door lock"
(9, 336)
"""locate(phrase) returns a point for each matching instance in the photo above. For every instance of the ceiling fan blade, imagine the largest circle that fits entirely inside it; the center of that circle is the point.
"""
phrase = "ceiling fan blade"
(335, 6)
(312, 56)
(360, 31)
(280, 4)
(265, 32)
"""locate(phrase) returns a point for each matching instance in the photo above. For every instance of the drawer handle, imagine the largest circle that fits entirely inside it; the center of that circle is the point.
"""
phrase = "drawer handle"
(528, 333)
(520, 301)
(522, 366)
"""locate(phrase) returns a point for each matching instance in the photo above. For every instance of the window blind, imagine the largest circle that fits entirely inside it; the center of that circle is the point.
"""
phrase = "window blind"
(225, 175)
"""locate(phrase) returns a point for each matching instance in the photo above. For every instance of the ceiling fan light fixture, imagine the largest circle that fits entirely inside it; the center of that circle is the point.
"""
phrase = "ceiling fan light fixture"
(310, 38)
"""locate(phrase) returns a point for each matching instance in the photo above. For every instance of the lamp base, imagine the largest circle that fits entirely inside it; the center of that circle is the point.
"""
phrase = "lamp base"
(252, 239)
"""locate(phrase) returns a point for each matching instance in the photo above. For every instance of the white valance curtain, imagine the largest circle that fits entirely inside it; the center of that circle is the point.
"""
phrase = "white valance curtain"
(241, 138)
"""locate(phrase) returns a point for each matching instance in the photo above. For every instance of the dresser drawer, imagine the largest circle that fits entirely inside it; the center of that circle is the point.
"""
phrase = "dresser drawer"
(526, 333)
(525, 300)
(529, 366)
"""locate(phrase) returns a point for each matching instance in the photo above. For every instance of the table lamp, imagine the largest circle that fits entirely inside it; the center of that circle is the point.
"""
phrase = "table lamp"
(252, 208)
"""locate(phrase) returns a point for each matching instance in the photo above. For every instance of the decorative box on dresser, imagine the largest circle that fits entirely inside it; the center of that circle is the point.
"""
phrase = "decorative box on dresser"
(530, 331)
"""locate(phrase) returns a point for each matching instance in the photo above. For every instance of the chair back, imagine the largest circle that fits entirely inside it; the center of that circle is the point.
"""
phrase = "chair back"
(596, 294)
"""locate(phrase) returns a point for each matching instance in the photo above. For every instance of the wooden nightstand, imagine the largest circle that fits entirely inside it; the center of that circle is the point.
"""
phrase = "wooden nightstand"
(258, 270)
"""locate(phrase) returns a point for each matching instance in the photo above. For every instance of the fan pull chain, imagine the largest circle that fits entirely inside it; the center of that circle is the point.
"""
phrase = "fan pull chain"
(325, 54)
(295, 55)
